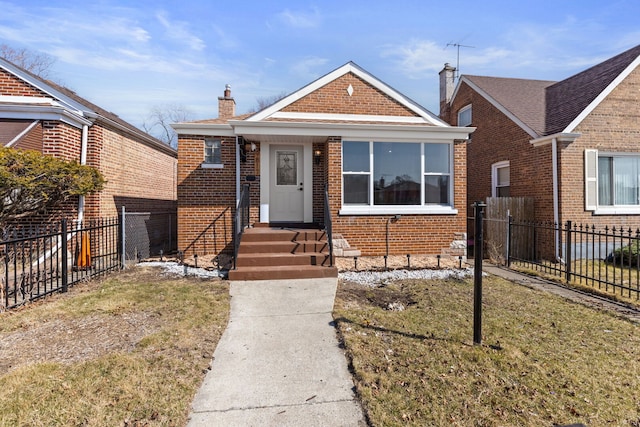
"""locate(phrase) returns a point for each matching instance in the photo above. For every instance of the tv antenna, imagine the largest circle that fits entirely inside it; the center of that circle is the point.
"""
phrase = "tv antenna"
(458, 46)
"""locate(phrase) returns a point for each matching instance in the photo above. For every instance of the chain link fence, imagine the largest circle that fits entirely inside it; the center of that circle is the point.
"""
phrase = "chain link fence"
(147, 234)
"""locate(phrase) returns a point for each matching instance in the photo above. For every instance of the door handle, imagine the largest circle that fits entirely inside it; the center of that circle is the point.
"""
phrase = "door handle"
(301, 185)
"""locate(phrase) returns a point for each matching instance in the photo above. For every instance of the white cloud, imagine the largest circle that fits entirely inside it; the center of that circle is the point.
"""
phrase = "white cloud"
(300, 19)
(310, 67)
(179, 31)
(417, 58)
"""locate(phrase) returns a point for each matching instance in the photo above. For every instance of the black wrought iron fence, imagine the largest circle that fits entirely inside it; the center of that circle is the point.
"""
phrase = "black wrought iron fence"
(604, 258)
(56, 257)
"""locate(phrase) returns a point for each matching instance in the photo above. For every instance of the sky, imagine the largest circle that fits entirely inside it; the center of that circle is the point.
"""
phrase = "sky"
(131, 56)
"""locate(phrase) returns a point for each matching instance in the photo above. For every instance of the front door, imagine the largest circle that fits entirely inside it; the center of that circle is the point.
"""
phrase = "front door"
(287, 183)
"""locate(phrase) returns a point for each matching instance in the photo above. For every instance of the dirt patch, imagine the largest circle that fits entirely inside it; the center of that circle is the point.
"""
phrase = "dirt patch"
(74, 340)
(388, 297)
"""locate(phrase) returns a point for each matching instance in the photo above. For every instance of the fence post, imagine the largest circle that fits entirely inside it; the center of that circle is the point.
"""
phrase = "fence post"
(508, 243)
(65, 258)
(477, 274)
(567, 256)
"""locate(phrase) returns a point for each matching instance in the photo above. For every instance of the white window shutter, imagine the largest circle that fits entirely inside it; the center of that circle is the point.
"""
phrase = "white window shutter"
(590, 179)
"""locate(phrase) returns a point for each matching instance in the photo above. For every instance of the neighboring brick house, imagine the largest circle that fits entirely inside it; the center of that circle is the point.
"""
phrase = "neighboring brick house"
(40, 115)
(573, 146)
(394, 172)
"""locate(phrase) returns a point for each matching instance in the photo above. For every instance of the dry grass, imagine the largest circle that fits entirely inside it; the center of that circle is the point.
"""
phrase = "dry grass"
(628, 293)
(544, 361)
(129, 351)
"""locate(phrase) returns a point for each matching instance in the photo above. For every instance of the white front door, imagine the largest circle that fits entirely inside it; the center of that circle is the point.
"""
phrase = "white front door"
(286, 183)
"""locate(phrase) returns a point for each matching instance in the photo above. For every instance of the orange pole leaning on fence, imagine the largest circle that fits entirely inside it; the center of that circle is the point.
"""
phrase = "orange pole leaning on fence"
(83, 255)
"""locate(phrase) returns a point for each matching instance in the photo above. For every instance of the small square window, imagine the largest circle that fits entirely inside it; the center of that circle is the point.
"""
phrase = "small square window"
(212, 151)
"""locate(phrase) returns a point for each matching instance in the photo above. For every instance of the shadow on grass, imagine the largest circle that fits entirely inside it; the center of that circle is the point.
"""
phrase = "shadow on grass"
(411, 335)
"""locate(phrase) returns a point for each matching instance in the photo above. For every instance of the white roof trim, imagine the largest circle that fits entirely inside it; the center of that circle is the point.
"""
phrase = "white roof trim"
(23, 133)
(206, 129)
(348, 117)
(561, 137)
(316, 129)
(623, 75)
(339, 72)
(496, 104)
(40, 84)
(43, 112)
(352, 130)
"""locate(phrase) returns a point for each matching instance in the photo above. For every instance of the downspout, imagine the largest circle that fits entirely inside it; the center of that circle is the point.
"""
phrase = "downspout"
(83, 161)
(556, 213)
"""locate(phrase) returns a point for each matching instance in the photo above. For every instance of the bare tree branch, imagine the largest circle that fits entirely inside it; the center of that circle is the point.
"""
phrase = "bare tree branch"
(37, 63)
(159, 119)
(265, 101)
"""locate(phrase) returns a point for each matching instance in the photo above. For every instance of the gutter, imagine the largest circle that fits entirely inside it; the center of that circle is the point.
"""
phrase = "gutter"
(563, 137)
(556, 210)
(83, 161)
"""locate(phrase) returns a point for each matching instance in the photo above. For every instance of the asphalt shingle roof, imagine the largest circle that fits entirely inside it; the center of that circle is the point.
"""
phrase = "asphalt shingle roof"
(568, 98)
(523, 98)
(549, 107)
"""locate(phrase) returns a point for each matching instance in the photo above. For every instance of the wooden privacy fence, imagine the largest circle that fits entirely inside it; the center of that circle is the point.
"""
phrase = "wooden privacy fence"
(497, 223)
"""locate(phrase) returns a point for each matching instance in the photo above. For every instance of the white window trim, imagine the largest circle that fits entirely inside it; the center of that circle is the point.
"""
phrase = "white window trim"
(591, 185)
(422, 209)
(494, 175)
(462, 110)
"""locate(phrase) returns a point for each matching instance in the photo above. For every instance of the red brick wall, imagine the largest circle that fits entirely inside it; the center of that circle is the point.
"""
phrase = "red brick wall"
(12, 86)
(613, 126)
(334, 98)
(207, 197)
(138, 176)
(497, 138)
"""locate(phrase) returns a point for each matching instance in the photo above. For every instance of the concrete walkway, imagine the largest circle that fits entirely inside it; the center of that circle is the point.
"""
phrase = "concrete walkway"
(278, 363)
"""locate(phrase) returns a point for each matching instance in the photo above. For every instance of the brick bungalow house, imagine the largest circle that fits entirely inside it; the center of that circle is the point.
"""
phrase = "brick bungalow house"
(394, 173)
(41, 115)
(573, 145)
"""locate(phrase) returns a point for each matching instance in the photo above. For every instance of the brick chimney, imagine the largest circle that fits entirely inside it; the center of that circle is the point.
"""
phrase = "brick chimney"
(226, 104)
(447, 86)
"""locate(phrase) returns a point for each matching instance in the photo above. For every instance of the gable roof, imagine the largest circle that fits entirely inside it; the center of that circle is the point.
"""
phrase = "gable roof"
(276, 111)
(570, 100)
(69, 106)
(520, 99)
(347, 102)
(545, 108)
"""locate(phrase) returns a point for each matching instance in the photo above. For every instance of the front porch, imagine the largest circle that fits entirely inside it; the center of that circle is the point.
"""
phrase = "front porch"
(268, 252)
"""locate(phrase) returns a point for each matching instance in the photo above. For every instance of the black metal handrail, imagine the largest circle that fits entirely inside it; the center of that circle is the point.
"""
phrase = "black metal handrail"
(241, 220)
(328, 226)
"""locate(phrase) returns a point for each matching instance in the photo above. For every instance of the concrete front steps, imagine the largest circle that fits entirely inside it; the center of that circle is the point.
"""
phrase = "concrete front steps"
(271, 253)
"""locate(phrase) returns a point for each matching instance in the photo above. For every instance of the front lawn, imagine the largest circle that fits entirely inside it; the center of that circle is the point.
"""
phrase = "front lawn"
(131, 350)
(544, 360)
